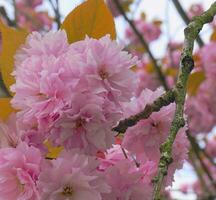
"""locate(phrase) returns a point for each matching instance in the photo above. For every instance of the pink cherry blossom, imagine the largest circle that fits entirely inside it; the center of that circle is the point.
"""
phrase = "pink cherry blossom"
(208, 59)
(19, 170)
(195, 10)
(28, 3)
(114, 10)
(86, 124)
(149, 30)
(72, 176)
(28, 17)
(201, 108)
(146, 76)
(9, 134)
(107, 67)
(210, 147)
(144, 139)
(113, 156)
(129, 182)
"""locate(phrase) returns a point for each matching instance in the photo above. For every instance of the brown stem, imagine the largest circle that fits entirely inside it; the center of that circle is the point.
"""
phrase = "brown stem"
(57, 12)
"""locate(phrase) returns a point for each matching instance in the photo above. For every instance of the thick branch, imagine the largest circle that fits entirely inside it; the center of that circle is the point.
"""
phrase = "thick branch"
(186, 65)
(144, 44)
(185, 19)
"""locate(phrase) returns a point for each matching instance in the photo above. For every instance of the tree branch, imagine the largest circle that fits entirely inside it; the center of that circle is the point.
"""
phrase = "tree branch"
(56, 11)
(186, 19)
(144, 44)
(5, 16)
(163, 100)
(186, 65)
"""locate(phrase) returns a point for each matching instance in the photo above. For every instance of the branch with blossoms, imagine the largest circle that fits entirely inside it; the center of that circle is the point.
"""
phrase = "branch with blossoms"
(178, 92)
(144, 44)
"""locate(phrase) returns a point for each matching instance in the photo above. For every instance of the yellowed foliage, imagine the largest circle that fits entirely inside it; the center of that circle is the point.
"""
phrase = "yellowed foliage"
(11, 41)
(171, 72)
(5, 108)
(53, 152)
(194, 81)
(213, 36)
(91, 18)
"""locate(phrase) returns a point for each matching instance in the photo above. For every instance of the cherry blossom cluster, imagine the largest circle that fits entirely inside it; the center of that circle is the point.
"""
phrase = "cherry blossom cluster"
(29, 17)
(71, 95)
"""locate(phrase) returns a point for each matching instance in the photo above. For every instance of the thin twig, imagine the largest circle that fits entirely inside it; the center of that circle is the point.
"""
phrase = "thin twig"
(5, 16)
(57, 12)
(196, 150)
(198, 172)
(186, 19)
(144, 44)
(15, 12)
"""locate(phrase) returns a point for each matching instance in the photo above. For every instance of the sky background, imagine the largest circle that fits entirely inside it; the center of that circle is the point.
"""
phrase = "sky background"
(172, 28)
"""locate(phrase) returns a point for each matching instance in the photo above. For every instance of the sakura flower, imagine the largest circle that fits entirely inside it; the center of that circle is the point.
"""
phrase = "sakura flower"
(149, 30)
(86, 124)
(28, 3)
(113, 156)
(201, 108)
(42, 78)
(72, 93)
(125, 4)
(28, 17)
(195, 10)
(9, 134)
(129, 182)
(144, 139)
(146, 76)
(210, 147)
(208, 59)
(107, 67)
(72, 176)
(19, 170)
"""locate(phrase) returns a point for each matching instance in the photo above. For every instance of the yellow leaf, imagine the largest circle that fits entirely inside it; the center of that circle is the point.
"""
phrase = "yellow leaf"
(171, 72)
(150, 68)
(5, 108)
(157, 22)
(11, 41)
(53, 152)
(213, 36)
(194, 81)
(91, 18)
(126, 4)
